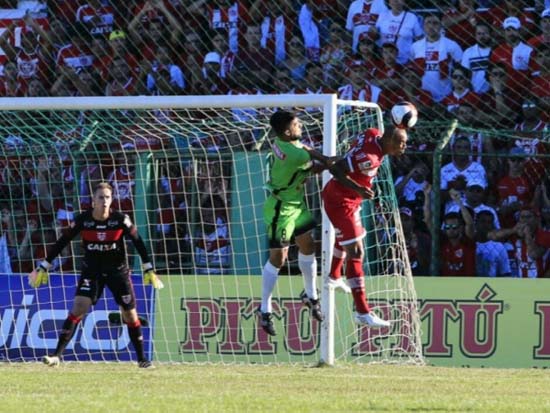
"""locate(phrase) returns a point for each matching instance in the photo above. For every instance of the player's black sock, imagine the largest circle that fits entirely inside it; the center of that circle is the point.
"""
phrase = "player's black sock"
(136, 336)
(66, 333)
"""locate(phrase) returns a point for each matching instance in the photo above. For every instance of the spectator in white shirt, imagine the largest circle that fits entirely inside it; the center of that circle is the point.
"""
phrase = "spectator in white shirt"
(399, 27)
(362, 17)
(491, 256)
(476, 58)
(434, 56)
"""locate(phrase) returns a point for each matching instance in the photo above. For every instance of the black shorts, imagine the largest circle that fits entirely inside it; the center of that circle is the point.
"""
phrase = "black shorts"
(91, 285)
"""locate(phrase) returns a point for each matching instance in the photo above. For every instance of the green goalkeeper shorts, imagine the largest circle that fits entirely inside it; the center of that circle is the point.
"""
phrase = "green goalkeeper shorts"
(286, 219)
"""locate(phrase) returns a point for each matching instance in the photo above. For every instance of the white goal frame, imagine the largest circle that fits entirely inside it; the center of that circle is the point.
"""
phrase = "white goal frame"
(328, 102)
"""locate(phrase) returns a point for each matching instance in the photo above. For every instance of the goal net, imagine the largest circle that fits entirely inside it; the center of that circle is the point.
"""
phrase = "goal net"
(190, 172)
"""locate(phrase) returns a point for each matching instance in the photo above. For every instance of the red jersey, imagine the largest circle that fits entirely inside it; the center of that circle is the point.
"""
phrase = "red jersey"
(363, 159)
(463, 32)
(452, 100)
(527, 267)
(512, 190)
(105, 16)
(458, 260)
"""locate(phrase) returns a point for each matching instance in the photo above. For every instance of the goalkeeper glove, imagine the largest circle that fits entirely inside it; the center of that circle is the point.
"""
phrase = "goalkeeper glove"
(40, 275)
(150, 277)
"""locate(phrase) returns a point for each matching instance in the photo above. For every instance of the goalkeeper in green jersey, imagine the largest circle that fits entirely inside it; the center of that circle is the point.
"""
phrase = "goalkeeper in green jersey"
(286, 213)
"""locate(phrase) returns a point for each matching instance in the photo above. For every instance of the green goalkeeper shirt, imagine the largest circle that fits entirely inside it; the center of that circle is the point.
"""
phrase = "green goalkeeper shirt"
(289, 167)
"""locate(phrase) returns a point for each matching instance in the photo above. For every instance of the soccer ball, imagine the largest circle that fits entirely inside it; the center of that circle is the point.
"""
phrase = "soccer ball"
(404, 115)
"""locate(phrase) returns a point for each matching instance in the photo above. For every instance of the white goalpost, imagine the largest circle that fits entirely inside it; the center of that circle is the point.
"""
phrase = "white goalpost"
(190, 170)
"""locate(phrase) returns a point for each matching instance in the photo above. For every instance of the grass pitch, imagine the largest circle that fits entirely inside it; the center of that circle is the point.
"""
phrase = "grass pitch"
(87, 387)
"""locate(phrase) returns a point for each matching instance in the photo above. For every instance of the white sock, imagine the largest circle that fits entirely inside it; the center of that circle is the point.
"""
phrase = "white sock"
(270, 273)
(308, 267)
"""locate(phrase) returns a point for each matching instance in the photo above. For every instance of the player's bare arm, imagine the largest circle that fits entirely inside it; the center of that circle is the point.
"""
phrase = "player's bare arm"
(326, 161)
(340, 172)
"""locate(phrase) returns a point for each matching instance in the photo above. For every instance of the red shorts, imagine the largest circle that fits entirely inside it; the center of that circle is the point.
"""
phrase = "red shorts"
(345, 216)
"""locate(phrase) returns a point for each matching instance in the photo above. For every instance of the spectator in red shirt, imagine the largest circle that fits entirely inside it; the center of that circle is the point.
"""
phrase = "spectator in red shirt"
(519, 9)
(515, 190)
(529, 136)
(458, 250)
(527, 259)
(30, 57)
(99, 18)
(460, 22)
(515, 54)
(461, 92)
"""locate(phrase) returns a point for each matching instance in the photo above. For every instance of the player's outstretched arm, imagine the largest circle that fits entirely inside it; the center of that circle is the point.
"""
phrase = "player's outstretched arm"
(39, 276)
(325, 161)
(339, 171)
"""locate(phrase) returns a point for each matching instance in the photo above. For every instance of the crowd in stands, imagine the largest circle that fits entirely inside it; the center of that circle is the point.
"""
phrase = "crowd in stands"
(485, 62)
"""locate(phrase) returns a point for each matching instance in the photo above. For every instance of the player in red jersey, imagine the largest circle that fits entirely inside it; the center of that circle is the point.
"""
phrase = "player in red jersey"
(102, 232)
(342, 199)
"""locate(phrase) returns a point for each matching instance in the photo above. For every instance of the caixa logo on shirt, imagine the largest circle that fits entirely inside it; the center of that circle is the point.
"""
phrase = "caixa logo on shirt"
(101, 247)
